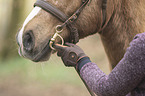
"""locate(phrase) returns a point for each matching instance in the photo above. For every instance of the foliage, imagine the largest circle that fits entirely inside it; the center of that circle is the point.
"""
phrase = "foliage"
(13, 13)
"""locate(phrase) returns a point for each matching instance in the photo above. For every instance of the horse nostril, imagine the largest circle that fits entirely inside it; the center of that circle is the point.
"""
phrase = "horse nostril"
(28, 41)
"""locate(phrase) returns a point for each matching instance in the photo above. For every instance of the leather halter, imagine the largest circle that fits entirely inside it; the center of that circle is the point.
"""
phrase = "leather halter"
(104, 6)
(69, 21)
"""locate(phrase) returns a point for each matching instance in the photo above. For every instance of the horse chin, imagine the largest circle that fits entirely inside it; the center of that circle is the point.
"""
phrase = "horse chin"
(43, 55)
(37, 55)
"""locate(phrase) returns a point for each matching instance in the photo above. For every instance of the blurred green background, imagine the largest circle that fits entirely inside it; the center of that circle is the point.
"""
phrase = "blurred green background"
(21, 77)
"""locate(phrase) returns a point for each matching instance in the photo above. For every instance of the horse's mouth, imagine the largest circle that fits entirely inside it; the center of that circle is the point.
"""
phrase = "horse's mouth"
(43, 55)
(37, 55)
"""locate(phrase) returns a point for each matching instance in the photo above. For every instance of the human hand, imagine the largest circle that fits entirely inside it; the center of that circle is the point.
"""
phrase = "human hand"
(70, 54)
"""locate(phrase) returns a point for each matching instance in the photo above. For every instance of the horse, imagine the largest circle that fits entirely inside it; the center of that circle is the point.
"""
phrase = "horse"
(123, 20)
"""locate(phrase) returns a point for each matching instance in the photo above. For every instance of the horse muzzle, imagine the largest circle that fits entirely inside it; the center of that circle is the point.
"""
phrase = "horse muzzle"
(29, 50)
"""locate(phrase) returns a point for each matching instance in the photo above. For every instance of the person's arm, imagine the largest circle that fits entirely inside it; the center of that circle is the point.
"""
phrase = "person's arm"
(128, 73)
(125, 76)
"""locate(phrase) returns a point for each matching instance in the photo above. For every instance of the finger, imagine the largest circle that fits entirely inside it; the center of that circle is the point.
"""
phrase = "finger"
(59, 47)
(59, 53)
(72, 45)
(69, 44)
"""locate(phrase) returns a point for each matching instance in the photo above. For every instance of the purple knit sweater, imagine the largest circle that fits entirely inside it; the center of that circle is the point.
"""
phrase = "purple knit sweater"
(126, 79)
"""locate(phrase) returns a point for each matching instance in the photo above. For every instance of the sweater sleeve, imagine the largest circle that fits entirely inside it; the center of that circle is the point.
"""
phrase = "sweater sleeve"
(128, 73)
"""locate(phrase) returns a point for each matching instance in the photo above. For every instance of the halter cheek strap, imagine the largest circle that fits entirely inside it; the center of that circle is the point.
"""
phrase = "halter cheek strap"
(104, 5)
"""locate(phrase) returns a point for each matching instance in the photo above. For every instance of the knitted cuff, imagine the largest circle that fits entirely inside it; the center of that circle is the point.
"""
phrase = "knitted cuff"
(82, 62)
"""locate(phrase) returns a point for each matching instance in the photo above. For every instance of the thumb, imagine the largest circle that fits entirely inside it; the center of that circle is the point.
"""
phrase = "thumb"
(59, 47)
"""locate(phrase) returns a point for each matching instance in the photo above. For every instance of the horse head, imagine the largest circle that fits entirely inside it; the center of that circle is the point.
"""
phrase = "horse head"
(40, 26)
(117, 21)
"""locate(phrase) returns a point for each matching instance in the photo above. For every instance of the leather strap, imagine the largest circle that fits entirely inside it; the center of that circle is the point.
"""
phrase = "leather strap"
(104, 6)
(69, 22)
(51, 9)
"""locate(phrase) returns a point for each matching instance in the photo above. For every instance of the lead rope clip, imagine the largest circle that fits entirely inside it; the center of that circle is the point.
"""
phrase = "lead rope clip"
(53, 39)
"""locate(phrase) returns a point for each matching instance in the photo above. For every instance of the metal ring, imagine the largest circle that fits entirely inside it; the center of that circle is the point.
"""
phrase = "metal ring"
(59, 28)
(50, 45)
